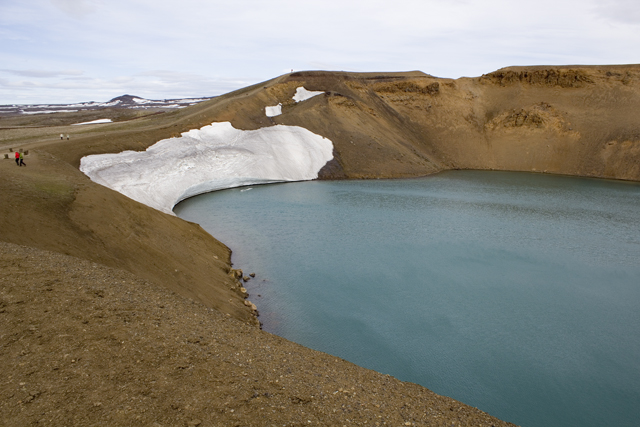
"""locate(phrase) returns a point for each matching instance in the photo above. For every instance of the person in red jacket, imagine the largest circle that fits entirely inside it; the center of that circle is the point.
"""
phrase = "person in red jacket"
(17, 158)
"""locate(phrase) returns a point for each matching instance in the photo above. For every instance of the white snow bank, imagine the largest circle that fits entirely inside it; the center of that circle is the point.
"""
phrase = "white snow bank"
(302, 94)
(94, 122)
(276, 110)
(215, 157)
(48, 111)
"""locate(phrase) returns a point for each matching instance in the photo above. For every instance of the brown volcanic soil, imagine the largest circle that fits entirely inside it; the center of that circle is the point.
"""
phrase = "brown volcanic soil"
(104, 281)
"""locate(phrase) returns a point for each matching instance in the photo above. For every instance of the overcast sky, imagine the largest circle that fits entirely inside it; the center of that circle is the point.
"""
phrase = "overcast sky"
(61, 51)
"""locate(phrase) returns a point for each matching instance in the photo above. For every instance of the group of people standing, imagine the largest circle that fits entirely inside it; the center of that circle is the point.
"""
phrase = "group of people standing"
(20, 159)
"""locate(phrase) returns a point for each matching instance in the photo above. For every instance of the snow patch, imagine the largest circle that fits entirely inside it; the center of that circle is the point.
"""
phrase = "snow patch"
(108, 104)
(212, 158)
(302, 94)
(48, 111)
(276, 110)
(94, 122)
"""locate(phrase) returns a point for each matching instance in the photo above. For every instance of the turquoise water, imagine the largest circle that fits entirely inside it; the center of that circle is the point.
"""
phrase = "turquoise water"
(515, 293)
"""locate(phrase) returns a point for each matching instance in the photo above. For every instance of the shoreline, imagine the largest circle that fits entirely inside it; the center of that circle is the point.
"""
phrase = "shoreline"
(84, 344)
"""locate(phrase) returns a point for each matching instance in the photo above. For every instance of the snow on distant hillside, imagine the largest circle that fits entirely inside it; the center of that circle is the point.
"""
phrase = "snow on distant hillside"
(94, 122)
(214, 157)
(124, 101)
(48, 111)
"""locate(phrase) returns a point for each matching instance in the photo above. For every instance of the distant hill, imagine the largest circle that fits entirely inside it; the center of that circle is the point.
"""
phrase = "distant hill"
(124, 101)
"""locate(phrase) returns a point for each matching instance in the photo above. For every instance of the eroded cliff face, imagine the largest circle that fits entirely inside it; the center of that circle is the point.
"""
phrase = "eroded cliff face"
(544, 77)
(565, 121)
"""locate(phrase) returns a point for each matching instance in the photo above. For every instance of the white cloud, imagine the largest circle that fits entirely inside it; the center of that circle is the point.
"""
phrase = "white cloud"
(43, 73)
(619, 11)
(156, 84)
(194, 47)
(75, 8)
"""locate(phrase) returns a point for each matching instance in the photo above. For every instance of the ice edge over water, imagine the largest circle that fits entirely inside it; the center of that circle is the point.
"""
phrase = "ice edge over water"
(215, 157)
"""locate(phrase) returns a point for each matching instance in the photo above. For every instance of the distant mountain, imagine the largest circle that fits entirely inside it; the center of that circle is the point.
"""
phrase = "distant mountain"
(124, 101)
(127, 99)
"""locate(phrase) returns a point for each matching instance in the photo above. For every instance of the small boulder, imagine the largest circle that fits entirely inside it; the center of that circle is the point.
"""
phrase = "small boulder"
(237, 274)
(250, 305)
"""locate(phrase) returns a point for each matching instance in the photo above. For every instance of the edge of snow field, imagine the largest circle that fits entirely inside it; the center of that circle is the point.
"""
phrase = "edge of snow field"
(214, 157)
(302, 94)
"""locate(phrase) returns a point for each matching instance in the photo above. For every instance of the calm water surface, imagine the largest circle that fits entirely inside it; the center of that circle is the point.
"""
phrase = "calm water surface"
(516, 293)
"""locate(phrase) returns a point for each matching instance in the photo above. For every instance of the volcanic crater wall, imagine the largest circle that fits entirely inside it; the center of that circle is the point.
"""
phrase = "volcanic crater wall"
(577, 120)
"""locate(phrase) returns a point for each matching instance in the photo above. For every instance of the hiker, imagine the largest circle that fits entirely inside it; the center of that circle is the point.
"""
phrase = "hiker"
(17, 158)
(67, 136)
(22, 163)
(61, 136)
